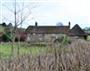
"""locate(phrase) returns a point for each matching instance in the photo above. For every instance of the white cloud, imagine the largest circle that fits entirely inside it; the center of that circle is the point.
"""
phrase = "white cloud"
(51, 11)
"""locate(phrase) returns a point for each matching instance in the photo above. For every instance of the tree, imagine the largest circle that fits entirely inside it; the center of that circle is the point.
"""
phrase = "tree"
(59, 24)
(10, 25)
(19, 17)
(6, 37)
(20, 13)
(4, 24)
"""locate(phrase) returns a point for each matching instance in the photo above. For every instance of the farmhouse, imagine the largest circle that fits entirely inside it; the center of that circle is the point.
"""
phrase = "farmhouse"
(44, 33)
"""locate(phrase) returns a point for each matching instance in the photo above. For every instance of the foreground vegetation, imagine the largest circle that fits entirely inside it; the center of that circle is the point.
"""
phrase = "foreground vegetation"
(73, 57)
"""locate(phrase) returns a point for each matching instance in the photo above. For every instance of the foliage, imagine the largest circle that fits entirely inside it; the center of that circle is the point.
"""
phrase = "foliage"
(4, 24)
(62, 40)
(75, 57)
(7, 37)
(59, 24)
(2, 29)
(66, 40)
(87, 29)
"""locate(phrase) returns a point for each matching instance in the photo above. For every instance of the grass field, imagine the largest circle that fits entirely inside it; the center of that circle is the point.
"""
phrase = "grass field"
(6, 49)
(88, 38)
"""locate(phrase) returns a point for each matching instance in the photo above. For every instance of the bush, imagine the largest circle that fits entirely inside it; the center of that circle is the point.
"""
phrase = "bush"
(6, 37)
(62, 40)
(66, 40)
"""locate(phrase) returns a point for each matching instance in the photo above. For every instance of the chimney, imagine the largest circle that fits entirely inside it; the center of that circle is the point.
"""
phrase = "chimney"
(36, 23)
(69, 23)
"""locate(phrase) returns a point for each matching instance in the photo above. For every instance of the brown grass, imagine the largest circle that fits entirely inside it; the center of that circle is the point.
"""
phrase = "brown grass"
(74, 57)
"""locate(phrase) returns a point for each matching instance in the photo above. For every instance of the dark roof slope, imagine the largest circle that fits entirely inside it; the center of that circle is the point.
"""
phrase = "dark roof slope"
(77, 31)
(48, 29)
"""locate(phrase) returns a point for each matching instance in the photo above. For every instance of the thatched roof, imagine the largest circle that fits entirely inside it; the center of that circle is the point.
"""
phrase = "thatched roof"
(77, 31)
(48, 29)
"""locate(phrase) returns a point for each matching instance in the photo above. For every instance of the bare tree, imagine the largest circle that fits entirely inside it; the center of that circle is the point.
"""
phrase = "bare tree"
(19, 18)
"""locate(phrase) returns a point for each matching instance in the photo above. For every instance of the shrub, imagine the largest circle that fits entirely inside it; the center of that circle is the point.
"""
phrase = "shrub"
(66, 40)
(62, 40)
(6, 37)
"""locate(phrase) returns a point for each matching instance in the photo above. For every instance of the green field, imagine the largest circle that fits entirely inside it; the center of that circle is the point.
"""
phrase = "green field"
(88, 38)
(6, 50)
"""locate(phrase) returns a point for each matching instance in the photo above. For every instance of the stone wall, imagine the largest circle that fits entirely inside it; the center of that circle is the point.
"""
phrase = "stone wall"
(41, 37)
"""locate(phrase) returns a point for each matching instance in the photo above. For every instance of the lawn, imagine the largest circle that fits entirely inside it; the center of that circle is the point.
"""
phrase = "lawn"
(6, 49)
(88, 38)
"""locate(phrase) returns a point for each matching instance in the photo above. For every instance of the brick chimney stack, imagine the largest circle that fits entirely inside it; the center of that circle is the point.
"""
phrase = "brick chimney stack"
(36, 24)
(69, 23)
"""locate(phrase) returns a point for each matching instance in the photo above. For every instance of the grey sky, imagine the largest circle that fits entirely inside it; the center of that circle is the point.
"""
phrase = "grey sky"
(50, 12)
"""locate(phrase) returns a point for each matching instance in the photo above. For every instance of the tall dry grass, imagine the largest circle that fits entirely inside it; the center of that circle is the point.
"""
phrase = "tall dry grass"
(74, 57)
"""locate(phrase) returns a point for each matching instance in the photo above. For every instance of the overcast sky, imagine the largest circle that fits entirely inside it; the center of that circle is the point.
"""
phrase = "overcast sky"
(49, 12)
